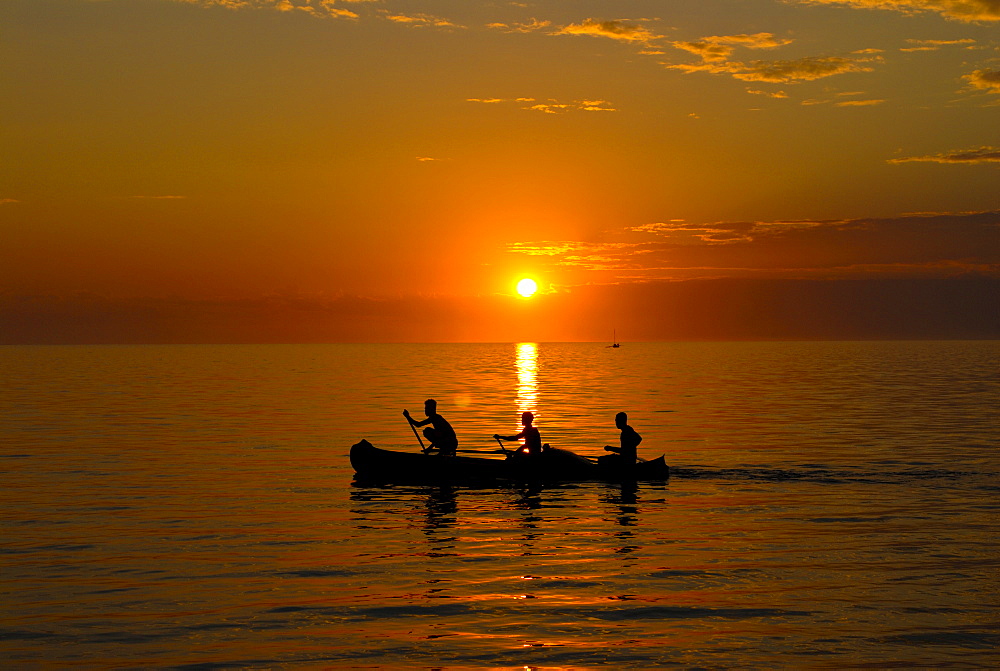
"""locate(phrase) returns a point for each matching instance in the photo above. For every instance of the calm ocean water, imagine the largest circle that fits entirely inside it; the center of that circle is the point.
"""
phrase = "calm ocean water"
(833, 505)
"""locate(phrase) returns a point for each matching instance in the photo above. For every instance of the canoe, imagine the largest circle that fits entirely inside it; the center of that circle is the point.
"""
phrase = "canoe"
(652, 469)
(375, 464)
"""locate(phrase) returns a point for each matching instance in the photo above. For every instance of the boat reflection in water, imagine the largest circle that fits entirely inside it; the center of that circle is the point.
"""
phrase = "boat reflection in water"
(440, 507)
(622, 504)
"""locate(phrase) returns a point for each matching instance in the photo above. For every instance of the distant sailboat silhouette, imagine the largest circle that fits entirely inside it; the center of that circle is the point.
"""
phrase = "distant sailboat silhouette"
(614, 339)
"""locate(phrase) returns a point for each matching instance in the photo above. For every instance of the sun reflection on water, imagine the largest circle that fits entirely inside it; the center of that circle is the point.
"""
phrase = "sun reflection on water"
(527, 377)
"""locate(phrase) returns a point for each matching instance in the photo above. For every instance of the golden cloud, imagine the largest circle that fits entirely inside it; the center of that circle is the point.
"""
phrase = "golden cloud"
(708, 51)
(551, 106)
(228, 4)
(859, 103)
(547, 248)
(755, 41)
(805, 69)
(318, 8)
(715, 51)
(530, 27)
(769, 94)
(420, 20)
(980, 155)
(159, 197)
(681, 232)
(927, 244)
(615, 29)
(960, 10)
(988, 80)
(781, 72)
(595, 106)
(719, 47)
(935, 45)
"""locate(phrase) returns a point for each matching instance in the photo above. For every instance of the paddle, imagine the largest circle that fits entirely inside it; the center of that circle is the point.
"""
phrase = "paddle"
(502, 447)
(406, 414)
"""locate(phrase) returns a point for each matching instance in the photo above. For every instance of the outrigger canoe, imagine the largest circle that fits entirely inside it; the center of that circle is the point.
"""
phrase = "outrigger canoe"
(375, 464)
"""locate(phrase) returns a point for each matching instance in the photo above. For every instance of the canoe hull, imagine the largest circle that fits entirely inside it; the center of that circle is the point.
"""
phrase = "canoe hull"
(375, 464)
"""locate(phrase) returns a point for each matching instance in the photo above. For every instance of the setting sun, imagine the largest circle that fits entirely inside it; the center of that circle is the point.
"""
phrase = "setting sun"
(527, 287)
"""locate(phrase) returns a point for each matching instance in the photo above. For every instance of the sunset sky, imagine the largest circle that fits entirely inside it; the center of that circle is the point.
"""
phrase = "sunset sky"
(387, 170)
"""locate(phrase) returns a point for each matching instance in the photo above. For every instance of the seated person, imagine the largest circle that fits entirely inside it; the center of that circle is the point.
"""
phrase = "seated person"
(625, 455)
(532, 438)
(440, 434)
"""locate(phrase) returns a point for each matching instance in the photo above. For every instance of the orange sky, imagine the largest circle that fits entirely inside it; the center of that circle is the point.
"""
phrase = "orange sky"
(326, 170)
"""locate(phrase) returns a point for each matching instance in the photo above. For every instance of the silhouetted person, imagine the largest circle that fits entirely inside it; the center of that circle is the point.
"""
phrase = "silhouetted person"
(532, 439)
(439, 434)
(625, 454)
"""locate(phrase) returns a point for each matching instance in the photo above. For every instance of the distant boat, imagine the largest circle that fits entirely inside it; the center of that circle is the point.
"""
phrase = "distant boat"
(614, 340)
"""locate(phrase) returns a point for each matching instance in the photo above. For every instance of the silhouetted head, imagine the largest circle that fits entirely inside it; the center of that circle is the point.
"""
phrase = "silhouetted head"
(430, 407)
(527, 418)
(621, 420)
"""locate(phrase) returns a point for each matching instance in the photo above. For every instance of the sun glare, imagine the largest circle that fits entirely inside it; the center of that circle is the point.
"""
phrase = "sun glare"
(527, 287)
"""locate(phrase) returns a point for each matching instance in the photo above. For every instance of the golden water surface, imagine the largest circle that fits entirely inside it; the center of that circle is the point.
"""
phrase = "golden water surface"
(832, 505)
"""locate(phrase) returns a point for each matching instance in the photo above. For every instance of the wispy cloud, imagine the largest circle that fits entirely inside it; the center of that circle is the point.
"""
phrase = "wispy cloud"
(616, 29)
(317, 8)
(980, 155)
(987, 80)
(715, 53)
(959, 10)
(936, 45)
(719, 47)
(550, 105)
(930, 245)
(595, 106)
(769, 94)
(534, 25)
(548, 108)
(419, 20)
(781, 72)
(680, 232)
(231, 4)
(859, 103)
(8, 201)
(158, 197)
(754, 41)
(593, 256)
